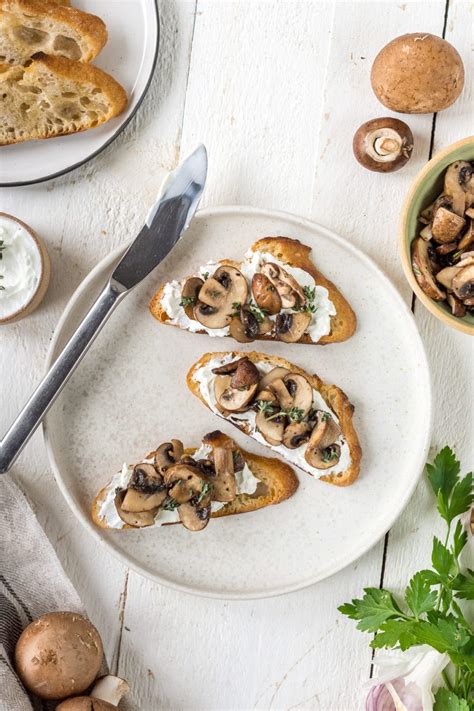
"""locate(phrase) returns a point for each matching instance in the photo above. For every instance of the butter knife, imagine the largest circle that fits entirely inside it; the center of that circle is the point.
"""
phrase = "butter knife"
(165, 223)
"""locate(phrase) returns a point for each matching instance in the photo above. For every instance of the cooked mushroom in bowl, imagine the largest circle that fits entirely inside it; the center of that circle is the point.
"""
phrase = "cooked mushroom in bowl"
(437, 236)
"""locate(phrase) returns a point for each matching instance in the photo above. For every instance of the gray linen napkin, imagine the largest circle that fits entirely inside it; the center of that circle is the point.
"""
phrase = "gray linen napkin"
(32, 582)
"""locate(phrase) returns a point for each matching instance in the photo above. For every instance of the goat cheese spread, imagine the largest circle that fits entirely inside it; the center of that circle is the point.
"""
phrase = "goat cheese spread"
(205, 377)
(246, 484)
(319, 326)
(20, 267)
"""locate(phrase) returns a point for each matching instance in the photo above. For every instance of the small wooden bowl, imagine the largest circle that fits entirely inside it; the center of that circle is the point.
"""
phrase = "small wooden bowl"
(45, 273)
(426, 187)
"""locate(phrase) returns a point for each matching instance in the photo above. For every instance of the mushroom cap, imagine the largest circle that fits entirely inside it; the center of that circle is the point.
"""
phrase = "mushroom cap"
(417, 73)
(58, 654)
(85, 703)
(383, 144)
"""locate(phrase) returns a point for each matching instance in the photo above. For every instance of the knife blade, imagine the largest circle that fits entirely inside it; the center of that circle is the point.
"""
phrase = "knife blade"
(165, 223)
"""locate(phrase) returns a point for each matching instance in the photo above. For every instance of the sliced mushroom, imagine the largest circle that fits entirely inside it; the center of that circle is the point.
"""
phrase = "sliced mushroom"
(457, 307)
(280, 388)
(194, 517)
(446, 225)
(246, 374)
(300, 391)
(219, 296)
(446, 276)
(273, 374)
(468, 237)
(290, 327)
(457, 182)
(250, 322)
(271, 430)
(136, 520)
(238, 330)
(322, 452)
(233, 399)
(224, 484)
(187, 482)
(146, 479)
(463, 282)
(296, 434)
(447, 248)
(422, 270)
(136, 501)
(228, 367)
(189, 295)
(287, 287)
(265, 294)
(168, 454)
(265, 326)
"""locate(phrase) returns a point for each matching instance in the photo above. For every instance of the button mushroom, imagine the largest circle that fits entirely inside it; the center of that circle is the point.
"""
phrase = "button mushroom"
(270, 424)
(457, 307)
(244, 327)
(383, 144)
(458, 183)
(463, 281)
(145, 478)
(136, 501)
(422, 270)
(446, 225)
(294, 394)
(290, 327)
(105, 696)
(167, 454)
(191, 490)
(322, 451)
(224, 485)
(296, 434)
(58, 655)
(273, 374)
(219, 296)
(288, 288)
(233, 399)
(139, 519)
(265, 294)
(189, 295)
(245, 374)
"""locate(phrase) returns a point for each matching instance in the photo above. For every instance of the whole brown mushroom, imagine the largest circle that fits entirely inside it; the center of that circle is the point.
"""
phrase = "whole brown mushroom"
(417, 73)
(105, 696)
(58, 655)
(383, 144)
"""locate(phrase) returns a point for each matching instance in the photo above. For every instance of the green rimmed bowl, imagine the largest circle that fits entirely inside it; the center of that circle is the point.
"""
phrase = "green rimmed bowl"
(426, 187)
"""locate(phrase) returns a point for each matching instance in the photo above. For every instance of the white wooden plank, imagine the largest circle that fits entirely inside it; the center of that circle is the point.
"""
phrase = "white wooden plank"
(450, 354)
(81, 217)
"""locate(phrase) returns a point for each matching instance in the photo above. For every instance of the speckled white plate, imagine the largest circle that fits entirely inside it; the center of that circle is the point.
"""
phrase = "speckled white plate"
(130, 56)
(129, 395)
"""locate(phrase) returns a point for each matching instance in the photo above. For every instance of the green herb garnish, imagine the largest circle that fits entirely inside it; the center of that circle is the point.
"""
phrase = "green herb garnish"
(329, 454)
(430, 612)
(259, 313)
(309, 305)
(187, 301)
(206, 488)
(170, 505)
(205, 276)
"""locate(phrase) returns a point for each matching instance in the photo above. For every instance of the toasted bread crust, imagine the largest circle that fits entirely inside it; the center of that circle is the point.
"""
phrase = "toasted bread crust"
(295, 254)
(334, 396)
(90, 27)
(278, 478)
(84, 77)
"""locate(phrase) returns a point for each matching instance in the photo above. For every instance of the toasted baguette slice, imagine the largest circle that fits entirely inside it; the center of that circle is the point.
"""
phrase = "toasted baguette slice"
(55, 96)
(31, 26)
(293, 253)
(334, 397)
(278, 482)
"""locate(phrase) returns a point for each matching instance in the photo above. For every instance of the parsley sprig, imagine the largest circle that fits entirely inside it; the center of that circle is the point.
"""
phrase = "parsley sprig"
(431, 612)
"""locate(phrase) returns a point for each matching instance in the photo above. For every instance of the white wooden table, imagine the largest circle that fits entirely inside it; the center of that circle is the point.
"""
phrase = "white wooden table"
(275, 90)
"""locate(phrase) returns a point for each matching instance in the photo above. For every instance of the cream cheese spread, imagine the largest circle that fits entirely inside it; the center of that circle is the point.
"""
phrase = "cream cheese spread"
(205, 377)
(246, 484)
(319, 326)
(20, 267)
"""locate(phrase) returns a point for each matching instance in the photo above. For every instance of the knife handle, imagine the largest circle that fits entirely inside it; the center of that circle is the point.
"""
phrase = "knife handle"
(58, 375)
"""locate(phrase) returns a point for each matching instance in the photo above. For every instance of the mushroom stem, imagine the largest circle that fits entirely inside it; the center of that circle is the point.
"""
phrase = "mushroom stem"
(110, 688)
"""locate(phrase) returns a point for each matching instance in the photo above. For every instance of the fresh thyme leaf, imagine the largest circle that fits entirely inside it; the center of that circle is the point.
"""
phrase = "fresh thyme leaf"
(329, 454)
(295, 414)
(206, 487)
(187, 301)
(170, 505)
(257, 311)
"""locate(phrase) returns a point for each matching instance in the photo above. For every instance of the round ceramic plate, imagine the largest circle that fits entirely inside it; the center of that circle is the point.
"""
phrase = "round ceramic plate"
(130, 57)
(129, 395)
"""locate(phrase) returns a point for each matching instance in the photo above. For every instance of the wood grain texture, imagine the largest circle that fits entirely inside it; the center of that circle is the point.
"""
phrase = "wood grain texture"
(276, 91)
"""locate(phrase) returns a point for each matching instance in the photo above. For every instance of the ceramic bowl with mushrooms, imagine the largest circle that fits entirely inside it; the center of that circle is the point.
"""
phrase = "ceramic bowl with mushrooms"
(437, 236)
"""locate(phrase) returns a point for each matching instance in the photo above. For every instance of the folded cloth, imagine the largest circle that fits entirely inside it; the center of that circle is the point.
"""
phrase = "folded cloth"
(32, 582)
